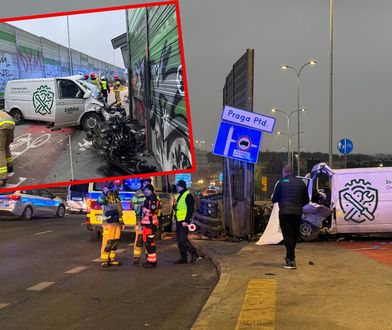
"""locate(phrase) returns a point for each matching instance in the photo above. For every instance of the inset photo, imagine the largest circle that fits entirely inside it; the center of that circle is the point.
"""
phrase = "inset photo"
(93, 94)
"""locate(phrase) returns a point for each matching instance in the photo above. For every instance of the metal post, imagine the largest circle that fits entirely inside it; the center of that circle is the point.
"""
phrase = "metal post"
(69, 49)
(330, 82)
(70, 156)
(288, 141)
(299, 130)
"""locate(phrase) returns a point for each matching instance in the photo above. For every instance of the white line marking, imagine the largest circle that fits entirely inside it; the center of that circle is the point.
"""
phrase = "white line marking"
(120, 250)
(82, 223)
(43, 232)
(40, 286)
(4, 305)
(97, 260)
(76, 270)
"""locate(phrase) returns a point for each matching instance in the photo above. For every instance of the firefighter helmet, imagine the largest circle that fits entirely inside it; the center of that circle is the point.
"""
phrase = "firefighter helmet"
(92, 75)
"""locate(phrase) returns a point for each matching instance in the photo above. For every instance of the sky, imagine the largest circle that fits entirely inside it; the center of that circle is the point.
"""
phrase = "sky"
(89, 33)
(217, 32)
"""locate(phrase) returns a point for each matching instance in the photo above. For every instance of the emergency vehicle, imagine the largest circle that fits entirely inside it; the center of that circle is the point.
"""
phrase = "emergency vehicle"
(127, 190)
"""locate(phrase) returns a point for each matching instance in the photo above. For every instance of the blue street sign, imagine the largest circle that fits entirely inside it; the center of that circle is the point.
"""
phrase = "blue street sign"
(238, 142)
(345, 146)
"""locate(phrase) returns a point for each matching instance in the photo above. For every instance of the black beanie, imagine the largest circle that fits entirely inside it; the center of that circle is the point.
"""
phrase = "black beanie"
(181, 183)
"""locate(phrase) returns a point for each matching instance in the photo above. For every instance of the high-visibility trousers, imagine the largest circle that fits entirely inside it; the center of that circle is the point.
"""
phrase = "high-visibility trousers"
(110, 238)
(149, 243)
(138, 244)
(6, 138)
(118, 98)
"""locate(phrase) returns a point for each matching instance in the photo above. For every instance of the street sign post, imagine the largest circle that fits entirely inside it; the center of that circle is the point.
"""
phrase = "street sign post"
(237, 142)
(345, 146)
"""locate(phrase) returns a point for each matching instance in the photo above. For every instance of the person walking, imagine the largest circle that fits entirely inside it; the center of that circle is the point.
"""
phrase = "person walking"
(7, 127)
(150, 224)
(292, 195)
(184, 208)
(111, 225)
(116, 90)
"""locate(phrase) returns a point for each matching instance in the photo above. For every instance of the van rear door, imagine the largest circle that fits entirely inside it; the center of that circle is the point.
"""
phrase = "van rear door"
(70, 103)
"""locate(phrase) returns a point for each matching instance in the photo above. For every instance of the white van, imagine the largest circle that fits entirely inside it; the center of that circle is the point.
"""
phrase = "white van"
(360, 198)
(67, 101)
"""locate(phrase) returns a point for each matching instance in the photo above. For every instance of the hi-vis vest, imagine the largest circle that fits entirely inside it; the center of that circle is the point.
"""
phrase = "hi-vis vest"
(6, 121)
(181, 207)
(104, 84)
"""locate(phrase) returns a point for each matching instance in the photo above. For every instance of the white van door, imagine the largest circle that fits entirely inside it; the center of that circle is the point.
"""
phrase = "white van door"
(70, 103)
(41, 99)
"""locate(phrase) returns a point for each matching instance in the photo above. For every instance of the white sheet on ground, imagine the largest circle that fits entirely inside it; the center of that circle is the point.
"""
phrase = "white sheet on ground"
(272, 234)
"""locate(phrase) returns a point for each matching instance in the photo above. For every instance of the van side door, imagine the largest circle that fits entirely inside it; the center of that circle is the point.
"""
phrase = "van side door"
(70, 103)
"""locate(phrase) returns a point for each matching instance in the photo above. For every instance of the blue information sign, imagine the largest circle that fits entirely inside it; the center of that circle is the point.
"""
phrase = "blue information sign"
(187, 177)
(345, 146)
(237, 142)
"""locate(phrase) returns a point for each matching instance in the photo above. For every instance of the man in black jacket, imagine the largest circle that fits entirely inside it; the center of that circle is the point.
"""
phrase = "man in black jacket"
(292, 195)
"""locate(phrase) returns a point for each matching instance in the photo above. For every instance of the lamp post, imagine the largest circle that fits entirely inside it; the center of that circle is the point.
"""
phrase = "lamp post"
(288, 115)
(199, 143)
(298, 72)
(289, 149)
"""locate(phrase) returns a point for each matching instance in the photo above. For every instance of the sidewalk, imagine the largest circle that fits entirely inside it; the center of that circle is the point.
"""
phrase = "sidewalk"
(333, 288)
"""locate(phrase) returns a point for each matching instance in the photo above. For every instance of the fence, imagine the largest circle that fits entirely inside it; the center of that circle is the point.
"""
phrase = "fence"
(24, 55)
(157, 87)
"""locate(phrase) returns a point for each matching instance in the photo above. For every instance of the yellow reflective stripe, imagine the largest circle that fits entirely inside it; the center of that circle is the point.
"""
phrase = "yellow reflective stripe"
(2, 122)
(3, 169)
(9, 159)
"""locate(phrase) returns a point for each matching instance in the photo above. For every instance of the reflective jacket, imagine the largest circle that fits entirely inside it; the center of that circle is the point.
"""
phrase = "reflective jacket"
(6, 121)
(150, 211)
(111, 204)
(184, 207)
(117, 86)
(104, 84)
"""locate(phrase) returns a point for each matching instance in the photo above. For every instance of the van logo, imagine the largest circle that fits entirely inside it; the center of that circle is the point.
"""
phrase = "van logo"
(43, 99)
(71, 110)
(358, 201)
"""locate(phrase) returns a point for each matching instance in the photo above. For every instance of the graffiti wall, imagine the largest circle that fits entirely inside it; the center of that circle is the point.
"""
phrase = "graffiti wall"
(157, 83)
(24, 55)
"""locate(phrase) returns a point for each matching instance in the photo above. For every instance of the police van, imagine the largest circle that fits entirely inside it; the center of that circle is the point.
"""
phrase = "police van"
(67, 101)
(129, 191)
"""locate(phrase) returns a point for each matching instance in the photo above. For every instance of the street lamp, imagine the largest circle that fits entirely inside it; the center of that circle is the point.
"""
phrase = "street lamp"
(199, 143)
(288, 115)
(298, 72)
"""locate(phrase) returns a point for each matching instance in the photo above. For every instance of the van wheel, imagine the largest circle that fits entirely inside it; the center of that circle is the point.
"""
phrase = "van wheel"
(17, 115)
(307, 231)
(27, 213)
(90, 121)
(60, 211)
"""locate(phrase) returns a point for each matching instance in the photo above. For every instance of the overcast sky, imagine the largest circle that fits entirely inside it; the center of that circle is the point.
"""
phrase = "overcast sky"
(89, 33)
(217, 33)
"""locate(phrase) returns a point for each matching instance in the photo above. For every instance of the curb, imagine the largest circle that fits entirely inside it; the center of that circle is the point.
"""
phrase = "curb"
(223, 268)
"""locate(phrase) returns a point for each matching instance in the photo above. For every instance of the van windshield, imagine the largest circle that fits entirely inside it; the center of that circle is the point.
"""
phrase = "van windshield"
(94, 89)
(78, 191)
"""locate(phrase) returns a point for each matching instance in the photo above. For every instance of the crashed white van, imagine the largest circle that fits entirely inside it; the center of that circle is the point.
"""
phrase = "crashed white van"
(66, 101)
(361, 200)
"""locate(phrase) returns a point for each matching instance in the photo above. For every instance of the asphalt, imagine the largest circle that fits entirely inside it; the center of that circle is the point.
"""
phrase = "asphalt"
(335, 286)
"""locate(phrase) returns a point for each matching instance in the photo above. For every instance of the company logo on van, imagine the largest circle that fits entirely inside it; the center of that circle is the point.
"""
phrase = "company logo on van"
(70, 110)
(358, 201)
(43, 99)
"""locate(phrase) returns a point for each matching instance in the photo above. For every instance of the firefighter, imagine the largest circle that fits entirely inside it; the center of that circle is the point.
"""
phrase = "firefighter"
(116, 90)
(85, 77)
(95, 81)
(111, 224)
(7, 127)
(150, 224)
(137, 201)
(105, 90)
(183, 214)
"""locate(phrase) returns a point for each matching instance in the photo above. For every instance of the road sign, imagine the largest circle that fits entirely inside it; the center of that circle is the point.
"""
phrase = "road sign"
(237, 142)
(345, 146)
(248, 119)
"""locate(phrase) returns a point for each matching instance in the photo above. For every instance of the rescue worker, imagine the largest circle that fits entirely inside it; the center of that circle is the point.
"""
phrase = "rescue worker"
(111, 225)
(105, 90)
(116, 90)
(85, 77)
(183, 214)
(7, 127)
(149, 224)
(95, 81)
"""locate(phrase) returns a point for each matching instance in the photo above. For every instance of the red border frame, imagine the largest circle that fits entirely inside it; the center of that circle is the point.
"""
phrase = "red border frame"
(182, 56)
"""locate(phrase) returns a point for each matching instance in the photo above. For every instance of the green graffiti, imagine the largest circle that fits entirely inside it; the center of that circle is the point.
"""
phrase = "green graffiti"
(71, 110)
(358, 201)
(43, 99)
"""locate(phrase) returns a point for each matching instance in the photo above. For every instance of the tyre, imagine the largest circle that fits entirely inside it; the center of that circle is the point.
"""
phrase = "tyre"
(95, 235)
(17, 115)
(90, 121)
(27, 213)
(307, 231)
(60, 211)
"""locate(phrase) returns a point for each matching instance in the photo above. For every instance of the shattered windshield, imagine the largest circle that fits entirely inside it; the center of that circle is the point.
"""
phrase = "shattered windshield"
(93, 88)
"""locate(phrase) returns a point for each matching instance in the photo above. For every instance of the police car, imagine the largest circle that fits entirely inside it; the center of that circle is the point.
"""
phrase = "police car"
(27, 204)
